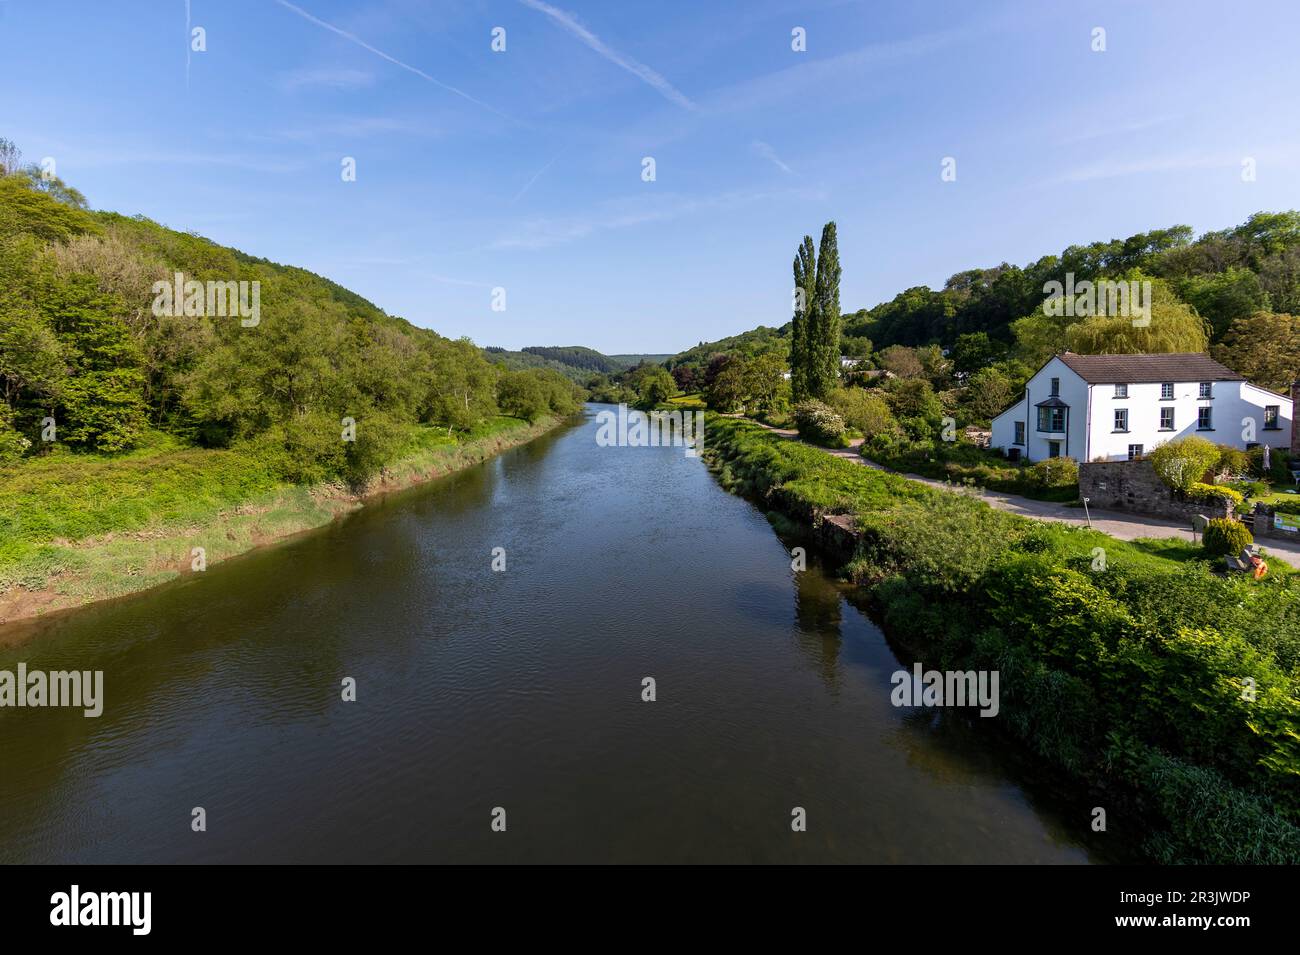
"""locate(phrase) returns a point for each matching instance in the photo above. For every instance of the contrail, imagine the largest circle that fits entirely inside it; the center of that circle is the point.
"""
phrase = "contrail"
(396, 62)
(537, 175)
(639, 70)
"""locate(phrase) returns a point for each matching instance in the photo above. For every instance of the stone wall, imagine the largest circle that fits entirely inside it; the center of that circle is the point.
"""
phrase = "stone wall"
(1264, 525)
(1134, 486)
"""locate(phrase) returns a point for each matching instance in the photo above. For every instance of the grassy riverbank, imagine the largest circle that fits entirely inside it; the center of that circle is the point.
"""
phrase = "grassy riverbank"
(76, 528)
(1170, 693)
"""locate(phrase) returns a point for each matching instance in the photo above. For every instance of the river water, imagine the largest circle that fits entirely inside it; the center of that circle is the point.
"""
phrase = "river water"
(520, 690)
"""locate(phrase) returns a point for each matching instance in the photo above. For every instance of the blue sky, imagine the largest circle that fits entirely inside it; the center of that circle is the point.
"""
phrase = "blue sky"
(522, 169)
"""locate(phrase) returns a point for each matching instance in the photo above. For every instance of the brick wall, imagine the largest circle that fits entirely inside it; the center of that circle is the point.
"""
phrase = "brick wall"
(1135, 486)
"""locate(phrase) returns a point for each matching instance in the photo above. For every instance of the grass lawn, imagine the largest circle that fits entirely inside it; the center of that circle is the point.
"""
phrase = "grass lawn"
(107, 524)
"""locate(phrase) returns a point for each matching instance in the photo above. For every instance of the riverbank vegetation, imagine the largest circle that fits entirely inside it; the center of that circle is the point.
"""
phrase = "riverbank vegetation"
(151, 380)
(76, 527)
(1168, 691)
(311, 380)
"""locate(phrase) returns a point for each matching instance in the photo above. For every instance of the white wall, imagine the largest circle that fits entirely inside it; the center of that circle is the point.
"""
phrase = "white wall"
(1091, 431)
(1233, 403)
(1074, 392)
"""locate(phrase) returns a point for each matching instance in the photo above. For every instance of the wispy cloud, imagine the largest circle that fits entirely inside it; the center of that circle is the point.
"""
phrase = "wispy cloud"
(145, 158)
(330, 79)
(627, 213)
(639, 70)
(1110, 130)
(352, 38)
(348, 127)
(537, 175)
(768, 153)
(843, 73)
(1128, 166)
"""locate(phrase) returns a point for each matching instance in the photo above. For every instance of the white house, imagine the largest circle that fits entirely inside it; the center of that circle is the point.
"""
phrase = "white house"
(1116, 407)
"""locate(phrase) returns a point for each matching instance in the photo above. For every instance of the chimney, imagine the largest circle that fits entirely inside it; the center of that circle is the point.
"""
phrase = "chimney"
(1295, 423)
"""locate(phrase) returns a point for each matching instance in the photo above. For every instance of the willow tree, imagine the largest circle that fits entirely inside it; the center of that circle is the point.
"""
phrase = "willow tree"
(1171, 326)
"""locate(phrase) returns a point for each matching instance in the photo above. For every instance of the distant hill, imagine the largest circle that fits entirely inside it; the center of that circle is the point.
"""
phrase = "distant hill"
(577, 362)
(631, 361)
(755, 341)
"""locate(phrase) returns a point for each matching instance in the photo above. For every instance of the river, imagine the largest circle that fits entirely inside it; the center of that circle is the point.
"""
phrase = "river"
(518, 689)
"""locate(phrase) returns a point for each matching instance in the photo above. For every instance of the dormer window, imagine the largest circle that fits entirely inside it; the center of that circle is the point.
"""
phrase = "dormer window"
(1121, 391)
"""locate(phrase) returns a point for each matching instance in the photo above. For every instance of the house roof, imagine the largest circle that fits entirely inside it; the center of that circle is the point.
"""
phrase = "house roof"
(1139, 369)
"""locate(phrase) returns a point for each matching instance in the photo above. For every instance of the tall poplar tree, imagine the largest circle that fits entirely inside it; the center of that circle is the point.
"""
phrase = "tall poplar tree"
(805, 280)
(822, 348)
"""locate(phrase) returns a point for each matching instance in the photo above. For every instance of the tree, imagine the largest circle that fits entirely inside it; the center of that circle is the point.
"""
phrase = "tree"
(987, 394)
(728, 387)
(973, 351)
(902, 361)
(823, 361)
(1265, 348)
(653, 386)
(687, 378)
(1173, 326)
(520, 393)
(914, 398)
(935, 365)
(11, 158)
(1224, 297)
(805, 292)
(55, 188)
(765, 383)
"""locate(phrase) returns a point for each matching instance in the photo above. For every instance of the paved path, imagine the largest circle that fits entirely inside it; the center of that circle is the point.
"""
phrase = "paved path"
(1118, 524)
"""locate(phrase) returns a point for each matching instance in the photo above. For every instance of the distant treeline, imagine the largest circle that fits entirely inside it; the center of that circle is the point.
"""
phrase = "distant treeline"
(1234, 292)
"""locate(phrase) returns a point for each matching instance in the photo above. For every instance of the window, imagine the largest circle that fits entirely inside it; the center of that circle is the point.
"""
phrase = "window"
(1051, 419)
(1166, 390)
(1270, 418)
(1121, 391)
(1053, 449)
(1204, 421)
(1121, 419)
(1020, 433)
(1166, 419)
(1134, 452)
(1056, 387)
(1207, 390)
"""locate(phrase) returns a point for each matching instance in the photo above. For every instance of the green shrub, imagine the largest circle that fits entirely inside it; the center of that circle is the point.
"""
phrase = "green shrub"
(1184, 461)
(1215, 494)
(1257, 489)
(1232, 461)
(863, 410)
(1053, 472)
(1223, 535)
(819, 423)
(1279, 464)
